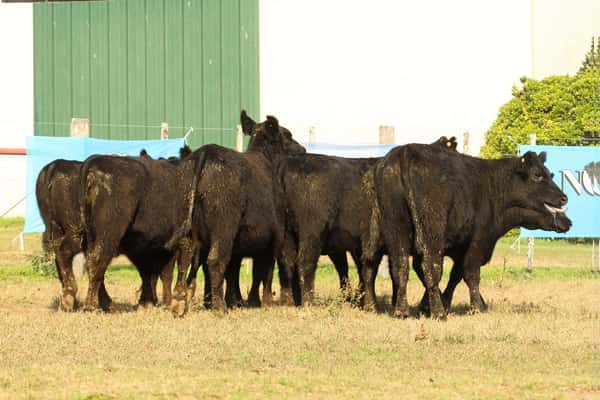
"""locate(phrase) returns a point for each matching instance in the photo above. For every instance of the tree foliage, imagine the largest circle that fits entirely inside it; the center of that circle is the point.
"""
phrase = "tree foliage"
(560, 110)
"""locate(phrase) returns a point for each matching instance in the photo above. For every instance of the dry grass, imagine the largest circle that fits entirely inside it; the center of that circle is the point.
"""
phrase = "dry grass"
(539, 340)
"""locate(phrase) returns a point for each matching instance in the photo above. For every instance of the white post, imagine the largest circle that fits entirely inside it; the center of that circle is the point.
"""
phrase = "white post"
(593, 254)
(466, 143)
(21, 242)
(239, 138)
(312, 134)
(530, 241)
(598, 258)
(164, 130)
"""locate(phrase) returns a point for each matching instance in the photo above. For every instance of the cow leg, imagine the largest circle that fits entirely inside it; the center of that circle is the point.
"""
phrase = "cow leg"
(417, 264)
(207, 298)
(369, 299)
(267, 299)
(456, 275)
(148, 289)
(97, 295)
(261, 271)
(472, 269)
(233, 294)
(432, 271)
(64, 266)
(179, 303)
(217, 261)
(198, 259)
(399, 270)
(166, 278)
(308, 257)
(360, 291)
(287, 268)
(340, 261)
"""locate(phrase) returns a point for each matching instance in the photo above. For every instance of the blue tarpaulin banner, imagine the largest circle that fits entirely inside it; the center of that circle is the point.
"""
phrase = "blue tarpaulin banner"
(41, 150)
(577, 172)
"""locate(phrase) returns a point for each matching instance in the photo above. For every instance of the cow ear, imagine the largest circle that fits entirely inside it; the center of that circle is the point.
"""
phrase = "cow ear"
(542, 157)
(185, 151)
(524, 164)
(272, 126)
(143, 153)
(452, 144)
(247, 123)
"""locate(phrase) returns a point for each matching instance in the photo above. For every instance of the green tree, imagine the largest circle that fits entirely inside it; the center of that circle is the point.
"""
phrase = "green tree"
(592, 57)
(560, 110)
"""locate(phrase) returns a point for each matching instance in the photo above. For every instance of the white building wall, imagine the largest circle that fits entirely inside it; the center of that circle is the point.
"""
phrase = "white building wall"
(429, 68)
(562, 31)
(16, 99)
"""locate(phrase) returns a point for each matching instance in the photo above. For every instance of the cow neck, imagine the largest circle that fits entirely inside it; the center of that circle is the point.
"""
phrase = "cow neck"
(499, 173)
(266, 152)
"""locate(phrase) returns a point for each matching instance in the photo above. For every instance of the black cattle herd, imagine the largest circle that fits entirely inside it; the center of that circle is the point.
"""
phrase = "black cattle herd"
(275, 202)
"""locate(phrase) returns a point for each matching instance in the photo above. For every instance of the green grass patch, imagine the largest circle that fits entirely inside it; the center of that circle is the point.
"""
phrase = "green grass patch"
(15, 222)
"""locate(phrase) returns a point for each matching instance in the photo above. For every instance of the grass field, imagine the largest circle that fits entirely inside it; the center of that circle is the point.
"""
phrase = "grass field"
(540, 339)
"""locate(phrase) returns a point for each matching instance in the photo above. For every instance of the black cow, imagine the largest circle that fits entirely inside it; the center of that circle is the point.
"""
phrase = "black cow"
(331, 208)
(139, 207)
(237, 213)
(57, 192)
(435, 203)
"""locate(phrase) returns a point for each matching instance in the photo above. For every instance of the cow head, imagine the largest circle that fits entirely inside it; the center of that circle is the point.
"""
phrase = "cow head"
(444, 142)
(533, 190)
(269, 136)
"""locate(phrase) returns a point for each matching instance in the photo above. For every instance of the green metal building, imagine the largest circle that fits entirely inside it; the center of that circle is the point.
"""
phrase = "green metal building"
(129, 65)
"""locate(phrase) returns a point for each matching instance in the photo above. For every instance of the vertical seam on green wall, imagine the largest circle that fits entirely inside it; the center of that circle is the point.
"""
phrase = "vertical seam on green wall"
(71, 59)
(257, 93)
(164, 71)
(53, 122)
(221, 133)
(243, 106)
(202, 86)
(146, 129)
(126, 71)
(183, 62)
(91, 96)
(108, 116)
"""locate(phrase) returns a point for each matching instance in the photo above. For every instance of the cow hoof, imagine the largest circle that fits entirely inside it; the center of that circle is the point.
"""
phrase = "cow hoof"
(145, 305)
(286, 299)
(68, 303)
(439, 315)
(401, 313)
(369, 307)
(254, 303)
(89, 308)
(178, 308)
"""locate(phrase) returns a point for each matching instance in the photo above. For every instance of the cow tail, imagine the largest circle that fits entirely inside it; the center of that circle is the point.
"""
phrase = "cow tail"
(83, 187)
(411, 199)
(187, 224)
(43, 185)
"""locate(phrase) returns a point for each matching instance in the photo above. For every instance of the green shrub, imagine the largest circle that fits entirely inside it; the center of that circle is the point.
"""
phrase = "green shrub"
(43, 264)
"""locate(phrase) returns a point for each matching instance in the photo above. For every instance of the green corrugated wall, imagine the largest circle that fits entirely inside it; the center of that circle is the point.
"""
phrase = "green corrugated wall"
(129, 65)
